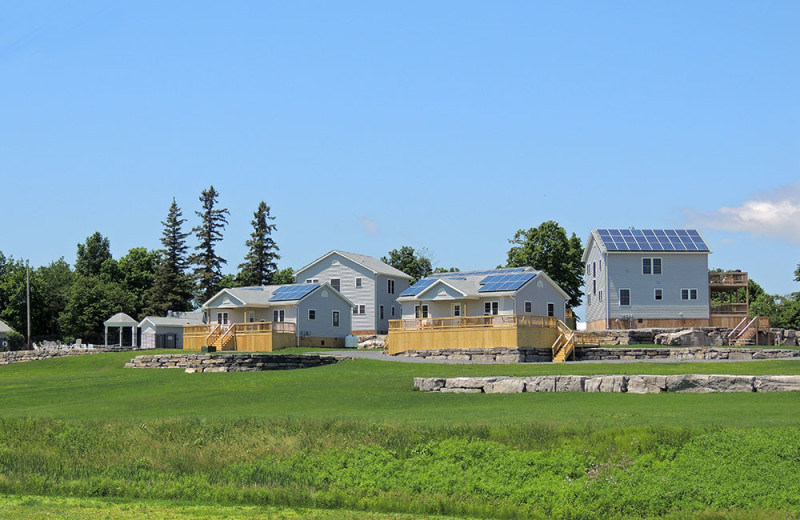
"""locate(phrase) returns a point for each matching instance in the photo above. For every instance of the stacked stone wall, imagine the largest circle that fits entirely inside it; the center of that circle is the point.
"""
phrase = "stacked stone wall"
(21, 356)
(231, 362)
(485, 355)
(632, 384)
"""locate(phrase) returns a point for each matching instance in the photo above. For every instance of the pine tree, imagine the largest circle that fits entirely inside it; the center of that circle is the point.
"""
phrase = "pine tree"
(259, 264)
(208, 270)
(172, 288)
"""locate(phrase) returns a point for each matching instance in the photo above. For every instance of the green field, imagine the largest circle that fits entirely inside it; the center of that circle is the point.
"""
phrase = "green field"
(356, 436)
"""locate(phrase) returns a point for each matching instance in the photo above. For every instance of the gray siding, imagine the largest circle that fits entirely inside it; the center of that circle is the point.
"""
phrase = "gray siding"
(679, 271)
(324, 302)
(596, 290)
(540, 293)
(372, 294)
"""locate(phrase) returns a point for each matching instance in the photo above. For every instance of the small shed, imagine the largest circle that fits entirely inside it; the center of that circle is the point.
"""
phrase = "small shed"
(122, 321)
(167, 332)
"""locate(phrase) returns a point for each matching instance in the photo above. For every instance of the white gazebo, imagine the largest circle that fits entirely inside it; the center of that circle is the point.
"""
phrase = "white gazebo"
(122, 320)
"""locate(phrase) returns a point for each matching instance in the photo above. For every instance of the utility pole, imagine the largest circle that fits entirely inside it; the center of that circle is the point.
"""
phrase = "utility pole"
(28, 298)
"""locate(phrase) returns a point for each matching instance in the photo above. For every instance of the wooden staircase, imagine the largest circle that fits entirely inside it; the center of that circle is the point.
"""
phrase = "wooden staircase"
(745, 333)
(213, 338)
(228, 340)
(564, 345)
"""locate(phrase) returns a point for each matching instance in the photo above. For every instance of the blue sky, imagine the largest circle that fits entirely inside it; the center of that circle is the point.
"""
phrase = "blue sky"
(371, 125)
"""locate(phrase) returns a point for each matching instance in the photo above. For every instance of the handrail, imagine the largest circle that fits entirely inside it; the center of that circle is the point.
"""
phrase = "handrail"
(226, 338)
(736, 328)
(461, 322)
(213, 334)
(747, 327)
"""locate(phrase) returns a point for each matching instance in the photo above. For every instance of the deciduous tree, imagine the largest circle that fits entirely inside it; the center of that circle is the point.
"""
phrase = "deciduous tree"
(92, 254)
(414, 264)
(548, 249)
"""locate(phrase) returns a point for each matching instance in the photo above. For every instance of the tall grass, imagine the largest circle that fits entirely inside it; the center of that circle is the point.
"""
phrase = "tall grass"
(490, 472)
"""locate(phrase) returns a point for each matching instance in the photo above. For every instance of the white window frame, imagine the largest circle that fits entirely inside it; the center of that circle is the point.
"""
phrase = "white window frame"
(312, 280)
(251, 317)
(600, 295)
(551, 309)
(660, 265)
(594, 286)
(358, 282)
(652, 261)
(362, 309)
(493, 308)
(335, 318)
(312, 314)
(336, 283)
(390, 286)
(629, 297)
(689, 292)
(278, 315)
(647, 265)
(456, 310)
(527, 307)
(658, 294)
(222, 318)
(594, 268)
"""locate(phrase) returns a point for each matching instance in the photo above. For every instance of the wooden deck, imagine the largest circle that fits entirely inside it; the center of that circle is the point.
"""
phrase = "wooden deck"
(248, 337)
(728, 281)
(472, 332)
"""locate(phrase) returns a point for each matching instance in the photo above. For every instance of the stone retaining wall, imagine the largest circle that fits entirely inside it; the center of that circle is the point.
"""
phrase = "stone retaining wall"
(485, 355)
(683, 354)
(696, 337)
(21, 356)
(231, 362)
(633, 384)
(536, 355)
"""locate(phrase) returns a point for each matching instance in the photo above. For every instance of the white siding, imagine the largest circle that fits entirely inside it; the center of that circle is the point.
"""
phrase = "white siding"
(595, 277)
(540, 293)
(337, 266)
(324, 302)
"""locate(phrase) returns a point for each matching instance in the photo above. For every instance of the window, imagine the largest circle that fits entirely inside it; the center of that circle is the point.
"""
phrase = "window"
(588, 269)
(551, 309)
(588, 299)
(355, 309)
(529, 307)
(456, 309)
(600, 265)
(381, 311)
(390, 286)
(490, 308)
(277, 315)
(688, 294)
(424, 311)
(222, 318)
(658, 295)
(335, 318)
(651, 266)
(599, 296)
(362, 309)
(624, 297)
(312, 314)
(336, 283)
(594, 268)
(312, 280)
(594, 286)
(392, 310)
(251, 316)
(358, 282)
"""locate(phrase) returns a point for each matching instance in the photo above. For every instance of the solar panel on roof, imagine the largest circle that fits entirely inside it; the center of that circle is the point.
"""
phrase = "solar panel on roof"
(505, 282)
(292, 292)
(418, 287)
(652, 240)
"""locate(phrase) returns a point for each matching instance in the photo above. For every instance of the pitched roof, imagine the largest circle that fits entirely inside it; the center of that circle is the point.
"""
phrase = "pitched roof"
(188, 318)
(4, 328)
(670, 240)
(373, 264)
(271, 295)
(476, 284)
(120, 319)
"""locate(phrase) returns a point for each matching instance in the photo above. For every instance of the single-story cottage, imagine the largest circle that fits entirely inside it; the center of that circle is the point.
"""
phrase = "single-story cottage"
(167, 331)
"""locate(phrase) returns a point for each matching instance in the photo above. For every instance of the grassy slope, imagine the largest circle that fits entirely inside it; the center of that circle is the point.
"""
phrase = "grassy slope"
(98, 387)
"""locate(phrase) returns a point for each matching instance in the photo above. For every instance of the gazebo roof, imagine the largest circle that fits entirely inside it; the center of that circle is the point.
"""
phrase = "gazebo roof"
(120, 320)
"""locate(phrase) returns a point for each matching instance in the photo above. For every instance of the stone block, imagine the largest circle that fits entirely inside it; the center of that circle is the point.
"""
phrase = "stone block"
(429, 384)
(570, 383)
(540, 384)
(777, 383)
(646, 384)
(461, 390)
(505, 386)
(469, 382)
(616, 384)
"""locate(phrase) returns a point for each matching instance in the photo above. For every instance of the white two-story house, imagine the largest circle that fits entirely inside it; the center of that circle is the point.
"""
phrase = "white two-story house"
(373, 287)
(639, 278)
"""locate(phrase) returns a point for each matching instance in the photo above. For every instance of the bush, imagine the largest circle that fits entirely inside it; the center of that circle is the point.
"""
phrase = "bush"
(16, 341)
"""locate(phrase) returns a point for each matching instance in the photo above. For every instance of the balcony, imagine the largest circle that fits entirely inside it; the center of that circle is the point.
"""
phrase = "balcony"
(727, 281)
(249, 337)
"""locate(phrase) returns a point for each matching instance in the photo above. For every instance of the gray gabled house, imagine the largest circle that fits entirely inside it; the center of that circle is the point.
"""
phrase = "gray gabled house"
(167, 331)
(637, 278)
(373, 287)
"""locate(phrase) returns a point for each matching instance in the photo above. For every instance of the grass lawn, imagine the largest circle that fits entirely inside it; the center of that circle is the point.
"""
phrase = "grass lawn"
(98, 387)
(355, 440)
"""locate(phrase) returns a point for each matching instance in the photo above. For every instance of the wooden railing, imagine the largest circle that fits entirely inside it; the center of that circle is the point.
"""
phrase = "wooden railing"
(564, 344)
(729, 308)
(461, 322)
(734, 278)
